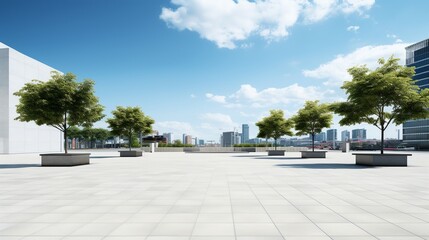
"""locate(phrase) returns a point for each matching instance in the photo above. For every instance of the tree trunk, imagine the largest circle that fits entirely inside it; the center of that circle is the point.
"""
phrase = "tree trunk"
(130, 140)
(275, 143)
(382, 141)
(65, 134)
(312, 139)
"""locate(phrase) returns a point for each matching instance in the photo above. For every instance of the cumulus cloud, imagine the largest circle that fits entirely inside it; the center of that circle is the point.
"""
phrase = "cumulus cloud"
(335, 72)
(216, 98)
(353, 28)
(175, 127)
(218, 117)
(226, 22)
(247, 95)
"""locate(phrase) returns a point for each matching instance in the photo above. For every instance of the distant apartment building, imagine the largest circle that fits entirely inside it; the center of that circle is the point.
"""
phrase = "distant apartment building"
(358, 134)
(17, 69)
(320, 137)
(415, 133)
(244, 133)
(201, 142)
(331, 135)
(230, 138)
(345, 136)
(168, 137)
(188, 139)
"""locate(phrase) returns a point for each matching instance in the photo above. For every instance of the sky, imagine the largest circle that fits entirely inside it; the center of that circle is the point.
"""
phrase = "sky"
(202, 67)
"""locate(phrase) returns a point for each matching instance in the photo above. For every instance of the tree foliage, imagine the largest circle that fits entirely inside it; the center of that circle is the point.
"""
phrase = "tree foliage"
(60, 102)
(275, 126)
(312, 119)
(127, 121)
(383, 96)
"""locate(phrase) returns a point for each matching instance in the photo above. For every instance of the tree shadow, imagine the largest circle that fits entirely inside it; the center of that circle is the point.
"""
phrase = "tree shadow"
(6, 166)
(324, 166)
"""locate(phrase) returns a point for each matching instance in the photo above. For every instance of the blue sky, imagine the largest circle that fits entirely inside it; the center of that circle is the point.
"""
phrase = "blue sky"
(205, 66)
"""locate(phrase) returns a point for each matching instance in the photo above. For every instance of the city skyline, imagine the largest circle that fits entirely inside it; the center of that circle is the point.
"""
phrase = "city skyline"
(205, 81)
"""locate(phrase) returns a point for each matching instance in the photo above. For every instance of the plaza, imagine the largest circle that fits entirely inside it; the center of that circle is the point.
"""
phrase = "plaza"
(205, 196)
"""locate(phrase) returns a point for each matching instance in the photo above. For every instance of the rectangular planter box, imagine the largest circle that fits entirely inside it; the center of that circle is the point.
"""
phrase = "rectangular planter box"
(276, 152)
(62, 159)
(374, 159)
(133, 153)
(315, 154)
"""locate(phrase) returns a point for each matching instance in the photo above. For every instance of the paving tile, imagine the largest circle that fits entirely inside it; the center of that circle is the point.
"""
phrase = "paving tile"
(256, 229)
(342, 229)
(213, 229)
(173, 229)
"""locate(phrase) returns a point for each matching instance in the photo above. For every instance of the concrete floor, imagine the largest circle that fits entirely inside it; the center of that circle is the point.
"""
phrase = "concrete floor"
(179, 196)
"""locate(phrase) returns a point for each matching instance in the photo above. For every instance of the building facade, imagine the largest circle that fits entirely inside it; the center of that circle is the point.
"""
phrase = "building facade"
(244, 133)
(168, 137)
(359, 134)
(345, 136)
(415, 133)
(331, 135)
(16, 69)
(320, 137)
(230, 138)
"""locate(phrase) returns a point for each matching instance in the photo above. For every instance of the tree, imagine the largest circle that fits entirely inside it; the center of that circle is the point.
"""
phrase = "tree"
(275, 126)
(312, 119)
(128, 121)
(61, 102)
(74, 132)
(383, 96)
(101, 134)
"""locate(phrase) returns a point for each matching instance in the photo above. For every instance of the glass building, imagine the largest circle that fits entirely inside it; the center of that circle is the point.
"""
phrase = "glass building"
(416, 132)
(244, 133)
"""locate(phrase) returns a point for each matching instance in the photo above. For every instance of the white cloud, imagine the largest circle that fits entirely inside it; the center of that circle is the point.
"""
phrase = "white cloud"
(216, 98)
(174, 127)
(226, 22)
(335, 71)
(217, 117)
(249, 96)
(193, 96)
(353, 28)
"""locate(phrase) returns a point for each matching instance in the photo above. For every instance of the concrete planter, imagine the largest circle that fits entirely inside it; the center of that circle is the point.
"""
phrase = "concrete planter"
(276, 152)
(374, 159)
(133, 153)
(315, 154)
(62, 159)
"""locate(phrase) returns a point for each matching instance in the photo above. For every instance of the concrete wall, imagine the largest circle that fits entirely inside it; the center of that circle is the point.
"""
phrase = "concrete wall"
(16, 69)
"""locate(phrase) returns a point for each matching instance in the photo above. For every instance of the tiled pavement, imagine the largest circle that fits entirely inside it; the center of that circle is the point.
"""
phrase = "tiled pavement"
(178, 196)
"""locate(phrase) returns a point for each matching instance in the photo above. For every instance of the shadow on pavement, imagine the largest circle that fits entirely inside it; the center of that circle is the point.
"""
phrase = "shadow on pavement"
(324, 166)
(18, 165)
(279, 158)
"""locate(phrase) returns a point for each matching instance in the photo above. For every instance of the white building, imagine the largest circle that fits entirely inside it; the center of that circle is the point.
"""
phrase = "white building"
(16, 69)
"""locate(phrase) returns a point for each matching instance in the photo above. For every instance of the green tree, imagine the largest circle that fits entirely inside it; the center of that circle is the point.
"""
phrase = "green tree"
(275, 126)
(88, 136)
(128, 121)
(61, 102)
(312, 119)
(74, 132)
(383, 96)
(101, 134)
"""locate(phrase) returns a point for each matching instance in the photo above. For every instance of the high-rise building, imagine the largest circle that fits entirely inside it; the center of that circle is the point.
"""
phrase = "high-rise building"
(358, 134)
(331, 135)
(230, 138)
(320, 137)
(188, 139)
(168, 137)
(244, 133)
(184, 138)
(345, 136)
(17, 69)
(201, 142)
(415, 133)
